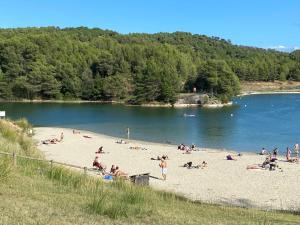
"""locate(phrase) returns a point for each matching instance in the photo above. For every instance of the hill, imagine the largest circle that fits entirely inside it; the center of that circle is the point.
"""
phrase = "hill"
(95, 64)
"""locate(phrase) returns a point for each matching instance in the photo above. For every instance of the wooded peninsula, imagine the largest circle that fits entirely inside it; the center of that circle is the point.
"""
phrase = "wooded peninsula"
(95, 64)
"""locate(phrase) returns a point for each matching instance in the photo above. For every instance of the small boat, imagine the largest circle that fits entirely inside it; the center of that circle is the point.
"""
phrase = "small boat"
(189, 115)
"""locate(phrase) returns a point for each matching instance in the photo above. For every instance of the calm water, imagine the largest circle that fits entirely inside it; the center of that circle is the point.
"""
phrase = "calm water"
(252, 123)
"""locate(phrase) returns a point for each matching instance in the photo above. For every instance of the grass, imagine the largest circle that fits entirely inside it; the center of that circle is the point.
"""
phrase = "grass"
(33, 193)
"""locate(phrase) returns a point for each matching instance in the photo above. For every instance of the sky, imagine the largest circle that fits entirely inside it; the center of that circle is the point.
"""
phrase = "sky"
(259, 23)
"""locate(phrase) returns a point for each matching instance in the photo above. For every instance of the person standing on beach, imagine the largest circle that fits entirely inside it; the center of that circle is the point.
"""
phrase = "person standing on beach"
(296, 151)
(61, 136)
(163, 166)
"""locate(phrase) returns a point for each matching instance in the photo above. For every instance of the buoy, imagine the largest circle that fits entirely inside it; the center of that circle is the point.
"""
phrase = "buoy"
(245, 105)
(231, 115)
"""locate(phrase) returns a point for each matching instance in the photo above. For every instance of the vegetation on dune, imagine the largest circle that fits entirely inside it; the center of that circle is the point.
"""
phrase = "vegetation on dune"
(95, 64)
(34, 193)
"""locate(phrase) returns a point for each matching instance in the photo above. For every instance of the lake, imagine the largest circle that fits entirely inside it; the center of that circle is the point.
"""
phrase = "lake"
(253, 122)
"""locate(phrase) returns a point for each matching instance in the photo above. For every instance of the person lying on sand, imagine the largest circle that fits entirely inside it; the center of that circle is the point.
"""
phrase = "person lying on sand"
(121, 142)
(76, 132)
(159, 158)
(137, 148)
(230, 157)
(86, 136)
(50, 141)
(254, 166)
(189, 165)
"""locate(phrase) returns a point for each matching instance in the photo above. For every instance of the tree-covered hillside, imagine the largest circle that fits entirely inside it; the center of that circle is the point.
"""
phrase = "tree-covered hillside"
(95, 64)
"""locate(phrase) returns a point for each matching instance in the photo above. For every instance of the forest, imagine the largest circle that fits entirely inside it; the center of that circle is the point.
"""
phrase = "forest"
(95, 64)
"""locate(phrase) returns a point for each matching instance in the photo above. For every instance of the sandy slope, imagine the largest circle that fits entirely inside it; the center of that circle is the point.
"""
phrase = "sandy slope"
(222, 182)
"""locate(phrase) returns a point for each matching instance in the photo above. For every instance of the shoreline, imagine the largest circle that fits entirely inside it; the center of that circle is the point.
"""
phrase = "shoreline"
(268, 92)
(222, 182)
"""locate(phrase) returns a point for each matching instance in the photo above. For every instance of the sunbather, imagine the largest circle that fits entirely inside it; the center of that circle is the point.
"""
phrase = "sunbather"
(121, 142)
(230, 157)
(76, 132)
(159, 158)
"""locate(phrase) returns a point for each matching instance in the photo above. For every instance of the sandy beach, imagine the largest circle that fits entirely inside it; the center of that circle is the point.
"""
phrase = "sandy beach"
(223, 181)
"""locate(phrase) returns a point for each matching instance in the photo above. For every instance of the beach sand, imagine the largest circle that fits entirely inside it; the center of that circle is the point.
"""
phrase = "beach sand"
(223, 181)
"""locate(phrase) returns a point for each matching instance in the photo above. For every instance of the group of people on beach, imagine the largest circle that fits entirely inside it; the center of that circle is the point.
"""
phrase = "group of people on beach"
(187, 149)
(290, 156)
(114, 170)
(270, 161)
(189, 165)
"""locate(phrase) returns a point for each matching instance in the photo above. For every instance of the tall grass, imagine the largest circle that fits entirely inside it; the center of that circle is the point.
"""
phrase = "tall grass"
(5, 168)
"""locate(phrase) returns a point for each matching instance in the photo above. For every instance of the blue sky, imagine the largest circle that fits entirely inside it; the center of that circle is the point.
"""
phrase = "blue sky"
(261, 23)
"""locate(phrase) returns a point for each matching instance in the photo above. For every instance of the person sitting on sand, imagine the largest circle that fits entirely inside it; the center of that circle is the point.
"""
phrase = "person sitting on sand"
(100, 150)
(188, 165)
(203, 165)
(112, 169)
(181, 147)
(187, 150)
(164, 157)
(120, 173)
(230, 157)
(267, 161)
(275, 152)
(98, 164)
(264, 152)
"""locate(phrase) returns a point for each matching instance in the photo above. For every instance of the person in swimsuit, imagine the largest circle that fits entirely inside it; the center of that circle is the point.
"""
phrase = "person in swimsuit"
(163, 166)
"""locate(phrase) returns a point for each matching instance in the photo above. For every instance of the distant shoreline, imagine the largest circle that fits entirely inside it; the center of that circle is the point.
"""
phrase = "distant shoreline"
(269, 92)
(158, 104)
